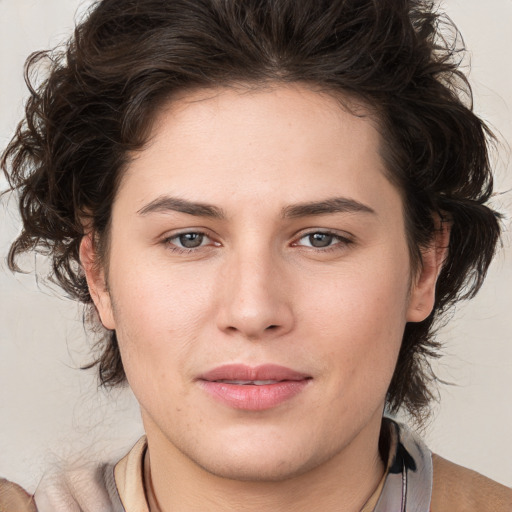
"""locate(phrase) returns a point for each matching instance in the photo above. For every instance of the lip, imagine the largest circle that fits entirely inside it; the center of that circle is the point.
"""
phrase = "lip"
(251, 397)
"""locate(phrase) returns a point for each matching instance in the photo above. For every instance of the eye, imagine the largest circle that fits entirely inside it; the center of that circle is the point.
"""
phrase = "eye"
(321, 239)
(188, 241)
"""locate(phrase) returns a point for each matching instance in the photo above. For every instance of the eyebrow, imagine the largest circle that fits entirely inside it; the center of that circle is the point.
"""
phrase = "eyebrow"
(165, 204)
(332, 205)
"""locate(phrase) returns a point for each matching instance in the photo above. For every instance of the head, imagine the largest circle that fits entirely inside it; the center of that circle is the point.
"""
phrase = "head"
(134, 71)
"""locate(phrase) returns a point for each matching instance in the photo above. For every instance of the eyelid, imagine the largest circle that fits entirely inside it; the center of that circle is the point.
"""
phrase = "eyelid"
(343, 238)
(168, 238)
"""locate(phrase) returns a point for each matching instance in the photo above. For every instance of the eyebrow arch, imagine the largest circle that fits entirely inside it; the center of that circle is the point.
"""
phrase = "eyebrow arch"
(168, 203)
(332, 205)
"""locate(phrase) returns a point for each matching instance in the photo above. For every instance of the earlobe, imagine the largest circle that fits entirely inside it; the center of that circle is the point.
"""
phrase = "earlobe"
(95, 275)
(423, 290)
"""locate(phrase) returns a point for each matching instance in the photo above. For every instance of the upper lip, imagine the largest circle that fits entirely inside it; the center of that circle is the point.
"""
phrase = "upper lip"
(253, 373)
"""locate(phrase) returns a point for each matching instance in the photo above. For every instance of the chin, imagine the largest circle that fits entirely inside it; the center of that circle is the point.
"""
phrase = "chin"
(266, 469)
(260, 460)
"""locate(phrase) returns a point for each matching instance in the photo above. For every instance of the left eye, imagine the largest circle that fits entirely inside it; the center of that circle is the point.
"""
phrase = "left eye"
(319, 240)
(189, 240)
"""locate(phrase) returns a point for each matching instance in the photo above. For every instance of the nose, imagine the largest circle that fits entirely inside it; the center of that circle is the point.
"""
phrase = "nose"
(256, 302)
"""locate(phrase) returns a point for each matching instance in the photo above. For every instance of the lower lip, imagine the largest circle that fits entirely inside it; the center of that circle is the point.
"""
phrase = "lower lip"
(252, 397)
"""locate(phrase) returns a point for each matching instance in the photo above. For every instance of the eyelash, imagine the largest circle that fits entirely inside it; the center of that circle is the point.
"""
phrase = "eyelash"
(169, 242)
(341, 241)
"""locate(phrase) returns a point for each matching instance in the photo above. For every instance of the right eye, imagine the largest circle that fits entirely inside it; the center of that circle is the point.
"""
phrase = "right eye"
(185, 242)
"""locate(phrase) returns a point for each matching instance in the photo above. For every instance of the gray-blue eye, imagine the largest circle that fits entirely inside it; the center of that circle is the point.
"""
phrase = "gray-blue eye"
(191, 240)
(319, 240)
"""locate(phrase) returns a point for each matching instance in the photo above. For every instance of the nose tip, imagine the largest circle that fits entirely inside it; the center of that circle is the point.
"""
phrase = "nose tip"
(255, 322)
(255, 304)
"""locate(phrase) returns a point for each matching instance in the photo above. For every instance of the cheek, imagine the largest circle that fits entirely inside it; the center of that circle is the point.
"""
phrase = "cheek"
(159, 314)
(154, 296)
(358, 319)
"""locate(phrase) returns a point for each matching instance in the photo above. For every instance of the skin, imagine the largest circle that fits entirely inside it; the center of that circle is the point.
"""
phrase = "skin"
(256, 291)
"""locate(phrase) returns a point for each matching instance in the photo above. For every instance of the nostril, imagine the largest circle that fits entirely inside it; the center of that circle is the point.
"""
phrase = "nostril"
(271, 327)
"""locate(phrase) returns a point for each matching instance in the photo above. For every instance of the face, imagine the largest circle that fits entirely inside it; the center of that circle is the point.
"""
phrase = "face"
(259, 280)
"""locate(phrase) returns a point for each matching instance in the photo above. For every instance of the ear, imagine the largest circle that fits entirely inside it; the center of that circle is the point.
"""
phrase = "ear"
(423, 289)
(96, 281)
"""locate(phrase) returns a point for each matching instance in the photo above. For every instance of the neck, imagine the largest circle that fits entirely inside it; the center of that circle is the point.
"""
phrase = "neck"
(344, 482)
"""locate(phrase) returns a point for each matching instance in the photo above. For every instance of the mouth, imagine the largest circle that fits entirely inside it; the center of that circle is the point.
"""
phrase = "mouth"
(253, 388)
(249, 382)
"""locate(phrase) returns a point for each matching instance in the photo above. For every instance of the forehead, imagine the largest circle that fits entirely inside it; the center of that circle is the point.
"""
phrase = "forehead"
(244, 112)
(285, 142)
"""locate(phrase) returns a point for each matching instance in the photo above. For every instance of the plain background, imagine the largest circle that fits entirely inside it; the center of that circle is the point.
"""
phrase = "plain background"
(50, 411)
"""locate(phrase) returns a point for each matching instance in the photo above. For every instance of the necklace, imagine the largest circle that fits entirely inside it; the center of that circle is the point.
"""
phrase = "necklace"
(149, 490)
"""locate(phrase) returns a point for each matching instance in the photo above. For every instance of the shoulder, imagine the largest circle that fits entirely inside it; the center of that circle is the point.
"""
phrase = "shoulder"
(460, 489)
(93, 487)
(13, 498)
(90, 488)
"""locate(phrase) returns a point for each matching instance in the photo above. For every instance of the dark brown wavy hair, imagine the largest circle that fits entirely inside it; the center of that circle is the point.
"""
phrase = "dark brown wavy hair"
(99, 95)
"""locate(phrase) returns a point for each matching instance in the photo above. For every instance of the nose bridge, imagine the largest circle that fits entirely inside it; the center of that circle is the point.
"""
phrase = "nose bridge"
(255, 302)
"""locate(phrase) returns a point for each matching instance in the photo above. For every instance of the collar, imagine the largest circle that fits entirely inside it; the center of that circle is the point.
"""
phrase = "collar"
(409, 475)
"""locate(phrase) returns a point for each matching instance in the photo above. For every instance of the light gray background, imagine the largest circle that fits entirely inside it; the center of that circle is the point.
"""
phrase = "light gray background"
(50, 411)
